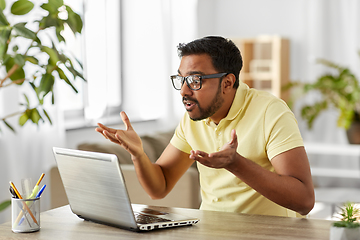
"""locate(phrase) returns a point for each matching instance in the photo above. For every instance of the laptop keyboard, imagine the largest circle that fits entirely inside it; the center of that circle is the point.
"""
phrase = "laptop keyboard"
(145, 219)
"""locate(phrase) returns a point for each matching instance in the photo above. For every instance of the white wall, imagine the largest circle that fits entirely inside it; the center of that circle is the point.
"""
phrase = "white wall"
(243, 18)
(316, 29)
(311, 26)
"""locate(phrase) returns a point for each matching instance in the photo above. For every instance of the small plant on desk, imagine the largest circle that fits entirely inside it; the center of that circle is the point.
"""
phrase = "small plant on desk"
(348, 227)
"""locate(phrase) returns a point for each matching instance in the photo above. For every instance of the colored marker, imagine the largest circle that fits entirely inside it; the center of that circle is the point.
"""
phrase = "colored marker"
(36, 188)
(25, 205)
(37, 196)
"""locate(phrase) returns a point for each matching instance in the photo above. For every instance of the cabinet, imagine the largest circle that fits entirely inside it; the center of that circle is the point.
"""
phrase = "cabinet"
(335, 196)
(265, 63)
(350, 150)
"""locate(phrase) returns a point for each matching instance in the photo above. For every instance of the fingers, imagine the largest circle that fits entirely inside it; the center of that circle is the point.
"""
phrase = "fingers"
(112, 137)
(233, 137)
(196, 155)
(126, 120)
(100, 130)
(103, 127)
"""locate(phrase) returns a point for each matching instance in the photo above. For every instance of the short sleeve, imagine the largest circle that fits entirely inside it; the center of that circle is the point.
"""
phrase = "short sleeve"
(281, 129)
(179, 139)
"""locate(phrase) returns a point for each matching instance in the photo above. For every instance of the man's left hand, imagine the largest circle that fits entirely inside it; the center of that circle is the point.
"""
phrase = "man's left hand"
(222, 159)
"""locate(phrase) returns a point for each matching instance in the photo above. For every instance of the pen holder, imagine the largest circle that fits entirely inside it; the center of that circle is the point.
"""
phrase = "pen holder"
(25, 215)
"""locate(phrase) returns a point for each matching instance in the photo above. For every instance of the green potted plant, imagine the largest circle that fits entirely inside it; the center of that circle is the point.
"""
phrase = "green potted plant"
(30, 53)
(340, 89)
(348, 227)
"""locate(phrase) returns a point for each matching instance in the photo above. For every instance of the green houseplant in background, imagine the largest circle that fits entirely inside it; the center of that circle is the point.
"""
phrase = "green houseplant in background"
(340, 89)
(35, 43)
(348, 227)
(30, 54)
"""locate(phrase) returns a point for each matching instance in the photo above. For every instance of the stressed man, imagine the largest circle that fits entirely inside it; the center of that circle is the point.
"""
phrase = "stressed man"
(246, 142)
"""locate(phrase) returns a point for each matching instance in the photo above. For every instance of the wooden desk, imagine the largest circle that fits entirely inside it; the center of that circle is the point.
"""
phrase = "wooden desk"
(61, 223)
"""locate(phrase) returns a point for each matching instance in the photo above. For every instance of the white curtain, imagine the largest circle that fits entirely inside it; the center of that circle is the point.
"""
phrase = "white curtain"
(28, 152)
(180, 25)
(333, 33)
(150, 56)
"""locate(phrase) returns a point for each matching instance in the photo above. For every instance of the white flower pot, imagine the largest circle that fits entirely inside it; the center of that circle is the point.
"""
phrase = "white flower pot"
(339, 233)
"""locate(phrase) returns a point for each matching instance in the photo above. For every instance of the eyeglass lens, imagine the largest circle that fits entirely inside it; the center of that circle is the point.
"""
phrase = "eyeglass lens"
(193, 81)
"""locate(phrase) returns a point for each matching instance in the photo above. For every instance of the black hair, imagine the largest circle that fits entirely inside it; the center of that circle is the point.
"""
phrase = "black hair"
(225, 55)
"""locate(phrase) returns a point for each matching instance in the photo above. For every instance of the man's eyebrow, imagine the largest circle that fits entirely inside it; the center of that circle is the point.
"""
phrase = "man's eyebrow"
(192, 73)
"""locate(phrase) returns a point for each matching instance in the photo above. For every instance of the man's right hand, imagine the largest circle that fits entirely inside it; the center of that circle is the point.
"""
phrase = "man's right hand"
(128, 138)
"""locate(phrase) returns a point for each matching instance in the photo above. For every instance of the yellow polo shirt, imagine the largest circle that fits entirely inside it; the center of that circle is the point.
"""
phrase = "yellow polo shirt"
(265, 127)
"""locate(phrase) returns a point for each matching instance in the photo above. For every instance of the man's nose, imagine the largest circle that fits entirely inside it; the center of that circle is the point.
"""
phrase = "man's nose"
(185, 90)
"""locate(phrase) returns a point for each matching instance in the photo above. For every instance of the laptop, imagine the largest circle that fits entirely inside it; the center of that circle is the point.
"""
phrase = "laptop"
(96, 191)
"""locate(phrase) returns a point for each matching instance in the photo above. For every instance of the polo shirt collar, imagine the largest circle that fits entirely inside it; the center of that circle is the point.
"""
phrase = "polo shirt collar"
(236, 107)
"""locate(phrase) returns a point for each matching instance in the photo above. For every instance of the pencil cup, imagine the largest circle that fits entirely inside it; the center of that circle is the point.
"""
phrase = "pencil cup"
(25, 215)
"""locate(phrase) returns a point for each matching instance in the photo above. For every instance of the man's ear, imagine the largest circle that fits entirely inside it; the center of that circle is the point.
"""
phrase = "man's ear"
(228, 82)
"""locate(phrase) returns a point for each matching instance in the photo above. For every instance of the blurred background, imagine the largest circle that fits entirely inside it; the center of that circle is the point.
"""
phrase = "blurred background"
(128, 50)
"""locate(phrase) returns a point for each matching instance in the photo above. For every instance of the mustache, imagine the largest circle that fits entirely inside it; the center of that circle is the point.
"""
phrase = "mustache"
(189, 99)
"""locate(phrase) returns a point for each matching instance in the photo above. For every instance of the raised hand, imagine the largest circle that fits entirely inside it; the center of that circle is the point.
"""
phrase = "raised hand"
(222, 159)
(127, 138)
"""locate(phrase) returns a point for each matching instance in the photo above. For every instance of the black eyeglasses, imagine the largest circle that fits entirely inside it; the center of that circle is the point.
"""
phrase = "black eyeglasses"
(193, 81)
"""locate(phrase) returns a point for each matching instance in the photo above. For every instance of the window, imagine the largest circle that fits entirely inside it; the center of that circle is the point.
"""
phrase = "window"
(98, 48)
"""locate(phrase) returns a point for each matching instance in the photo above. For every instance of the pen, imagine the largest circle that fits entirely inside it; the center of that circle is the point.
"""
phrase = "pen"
(25, 205)
(37, 196)
(36, 188)
(40, 192)
(19, 204)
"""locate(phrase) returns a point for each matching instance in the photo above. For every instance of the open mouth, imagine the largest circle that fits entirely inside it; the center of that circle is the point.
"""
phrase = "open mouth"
(189, 104)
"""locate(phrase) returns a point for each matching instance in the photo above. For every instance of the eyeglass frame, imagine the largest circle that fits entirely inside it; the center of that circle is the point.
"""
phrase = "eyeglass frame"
(185, 79)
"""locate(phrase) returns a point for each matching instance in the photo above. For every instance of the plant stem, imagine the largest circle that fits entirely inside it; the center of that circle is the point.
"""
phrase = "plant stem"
(11, 115)
(14, 82)
(15, 67)
(10, 72)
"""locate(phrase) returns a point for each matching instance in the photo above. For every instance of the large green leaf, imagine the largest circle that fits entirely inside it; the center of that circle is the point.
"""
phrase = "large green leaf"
(18, 74)
(32, 114)
(32, 59)
(5, 204)
(23, 119)
(53, 57)
(35, 116)
(51, 21)
(56, 3)
(46, 84)
(2, 4)
(74, 21)
(21, 7)
(59, 35)
(65, 78)
(52, 9)
(20, 60)
(69, 65)
(3, 20)
(23, 31)
(4, 37)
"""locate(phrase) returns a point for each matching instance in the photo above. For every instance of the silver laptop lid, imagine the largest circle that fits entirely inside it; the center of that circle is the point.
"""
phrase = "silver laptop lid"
(95, 187)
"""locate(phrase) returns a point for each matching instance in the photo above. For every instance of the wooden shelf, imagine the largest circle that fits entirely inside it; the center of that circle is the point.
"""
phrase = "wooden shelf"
(265, 59)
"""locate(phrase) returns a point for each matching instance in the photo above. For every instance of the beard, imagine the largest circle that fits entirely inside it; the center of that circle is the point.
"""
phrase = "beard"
(205, 113)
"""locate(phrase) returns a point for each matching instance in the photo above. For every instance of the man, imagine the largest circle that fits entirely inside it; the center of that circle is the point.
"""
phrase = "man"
(246, 142)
